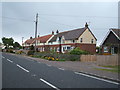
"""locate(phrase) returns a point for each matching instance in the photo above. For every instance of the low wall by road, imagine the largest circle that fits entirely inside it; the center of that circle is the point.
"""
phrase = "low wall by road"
(101, 59)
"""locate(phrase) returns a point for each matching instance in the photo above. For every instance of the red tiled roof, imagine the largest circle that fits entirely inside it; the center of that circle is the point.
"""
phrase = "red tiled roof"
(43, 39)
(29, 41)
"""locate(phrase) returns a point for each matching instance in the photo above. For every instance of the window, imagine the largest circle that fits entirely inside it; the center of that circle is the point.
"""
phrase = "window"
(105, 49)
(68, 48)
(92, 41)
(73, 41)
(81, 39)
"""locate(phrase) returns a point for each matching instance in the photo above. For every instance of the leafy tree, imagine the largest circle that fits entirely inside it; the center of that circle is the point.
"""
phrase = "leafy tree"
(7, 41)
(16, 45)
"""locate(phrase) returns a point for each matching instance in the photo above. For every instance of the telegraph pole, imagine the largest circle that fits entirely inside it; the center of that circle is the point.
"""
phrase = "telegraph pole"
(22, 42)
(36, 22)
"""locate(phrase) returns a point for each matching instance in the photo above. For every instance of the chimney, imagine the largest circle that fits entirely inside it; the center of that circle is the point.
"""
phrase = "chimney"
(86, 25)
(57, 31)
(30, 37)
(52, 32)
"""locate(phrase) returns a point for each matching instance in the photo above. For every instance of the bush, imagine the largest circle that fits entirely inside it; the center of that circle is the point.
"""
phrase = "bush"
(78, 51)
(19, 52)
(10, 51)
(31, 52)
(57, 57)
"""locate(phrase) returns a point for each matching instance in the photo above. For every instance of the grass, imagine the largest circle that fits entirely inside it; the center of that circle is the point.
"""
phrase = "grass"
(113, 68)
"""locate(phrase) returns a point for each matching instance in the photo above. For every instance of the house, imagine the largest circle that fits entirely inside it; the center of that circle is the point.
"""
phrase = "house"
(111, 43)
(28, 43)
(68, 40)
(41, 42)
(65, 41)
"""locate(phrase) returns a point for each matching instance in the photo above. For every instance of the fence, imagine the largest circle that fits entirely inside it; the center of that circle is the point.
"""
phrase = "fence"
(87, 58)
(101, 59)
(98, 59)
(107, 60)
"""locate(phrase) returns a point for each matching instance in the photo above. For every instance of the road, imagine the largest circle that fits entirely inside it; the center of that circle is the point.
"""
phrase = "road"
(23, 72)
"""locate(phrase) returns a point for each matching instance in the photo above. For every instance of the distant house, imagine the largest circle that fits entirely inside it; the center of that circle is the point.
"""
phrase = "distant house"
(28, 43)
(66, 41)
(40, 42)
(111, 43)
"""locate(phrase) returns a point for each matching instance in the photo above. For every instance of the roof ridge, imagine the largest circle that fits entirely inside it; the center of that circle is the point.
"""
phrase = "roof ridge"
(72, 30)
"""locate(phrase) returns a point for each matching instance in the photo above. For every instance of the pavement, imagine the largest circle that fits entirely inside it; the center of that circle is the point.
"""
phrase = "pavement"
(90, 68)
(27, 72)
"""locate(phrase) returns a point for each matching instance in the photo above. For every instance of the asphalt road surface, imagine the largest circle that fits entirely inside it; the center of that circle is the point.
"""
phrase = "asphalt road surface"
(22, 72)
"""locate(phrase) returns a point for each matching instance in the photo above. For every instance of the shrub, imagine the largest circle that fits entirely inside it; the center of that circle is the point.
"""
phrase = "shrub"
(31, 52)
(19, 52)
(78, 51)
(10, 51)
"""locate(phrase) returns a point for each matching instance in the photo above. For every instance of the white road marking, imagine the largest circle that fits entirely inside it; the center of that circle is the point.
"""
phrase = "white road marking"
(49, 84)
(61, 68)
(33, 75)
(22, 68)
(48, 65)
(39, 62)
(97, 78)
(3, 57)
(9, 60)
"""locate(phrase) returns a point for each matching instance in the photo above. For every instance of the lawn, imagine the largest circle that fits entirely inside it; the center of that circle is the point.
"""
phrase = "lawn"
(113, 68)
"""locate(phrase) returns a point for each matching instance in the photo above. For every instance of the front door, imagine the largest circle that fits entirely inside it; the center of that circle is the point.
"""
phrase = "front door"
(112, 50)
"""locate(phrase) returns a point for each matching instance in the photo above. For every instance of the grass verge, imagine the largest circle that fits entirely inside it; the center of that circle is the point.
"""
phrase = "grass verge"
(113, 68)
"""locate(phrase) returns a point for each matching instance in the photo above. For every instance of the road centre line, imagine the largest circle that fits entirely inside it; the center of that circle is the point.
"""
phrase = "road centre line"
(3, 57)
(61, 68)
(38, 62)
(22, 68)
(9, 60)
(48, 65)
(49, 84)
(96, 78)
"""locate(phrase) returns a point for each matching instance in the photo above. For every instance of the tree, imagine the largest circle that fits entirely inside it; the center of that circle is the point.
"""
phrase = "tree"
(7, 41)
(16, 45)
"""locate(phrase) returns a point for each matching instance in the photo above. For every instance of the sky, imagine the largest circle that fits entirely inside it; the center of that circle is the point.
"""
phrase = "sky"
(18, 18)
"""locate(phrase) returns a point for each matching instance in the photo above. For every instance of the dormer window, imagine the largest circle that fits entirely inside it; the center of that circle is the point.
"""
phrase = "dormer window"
(81, 40)
(92, 41)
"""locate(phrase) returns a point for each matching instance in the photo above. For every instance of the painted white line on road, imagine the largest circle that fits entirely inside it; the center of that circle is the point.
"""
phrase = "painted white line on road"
(49, 84)
(48, 65)
(33, 75)
(39, 62)
(97, 78)
(3, 57)
(9, 60)
(61, 68)
(22, 68)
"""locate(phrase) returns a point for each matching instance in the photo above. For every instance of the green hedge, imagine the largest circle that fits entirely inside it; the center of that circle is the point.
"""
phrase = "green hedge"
(78, 51)
(66, 57)
(31, 52)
